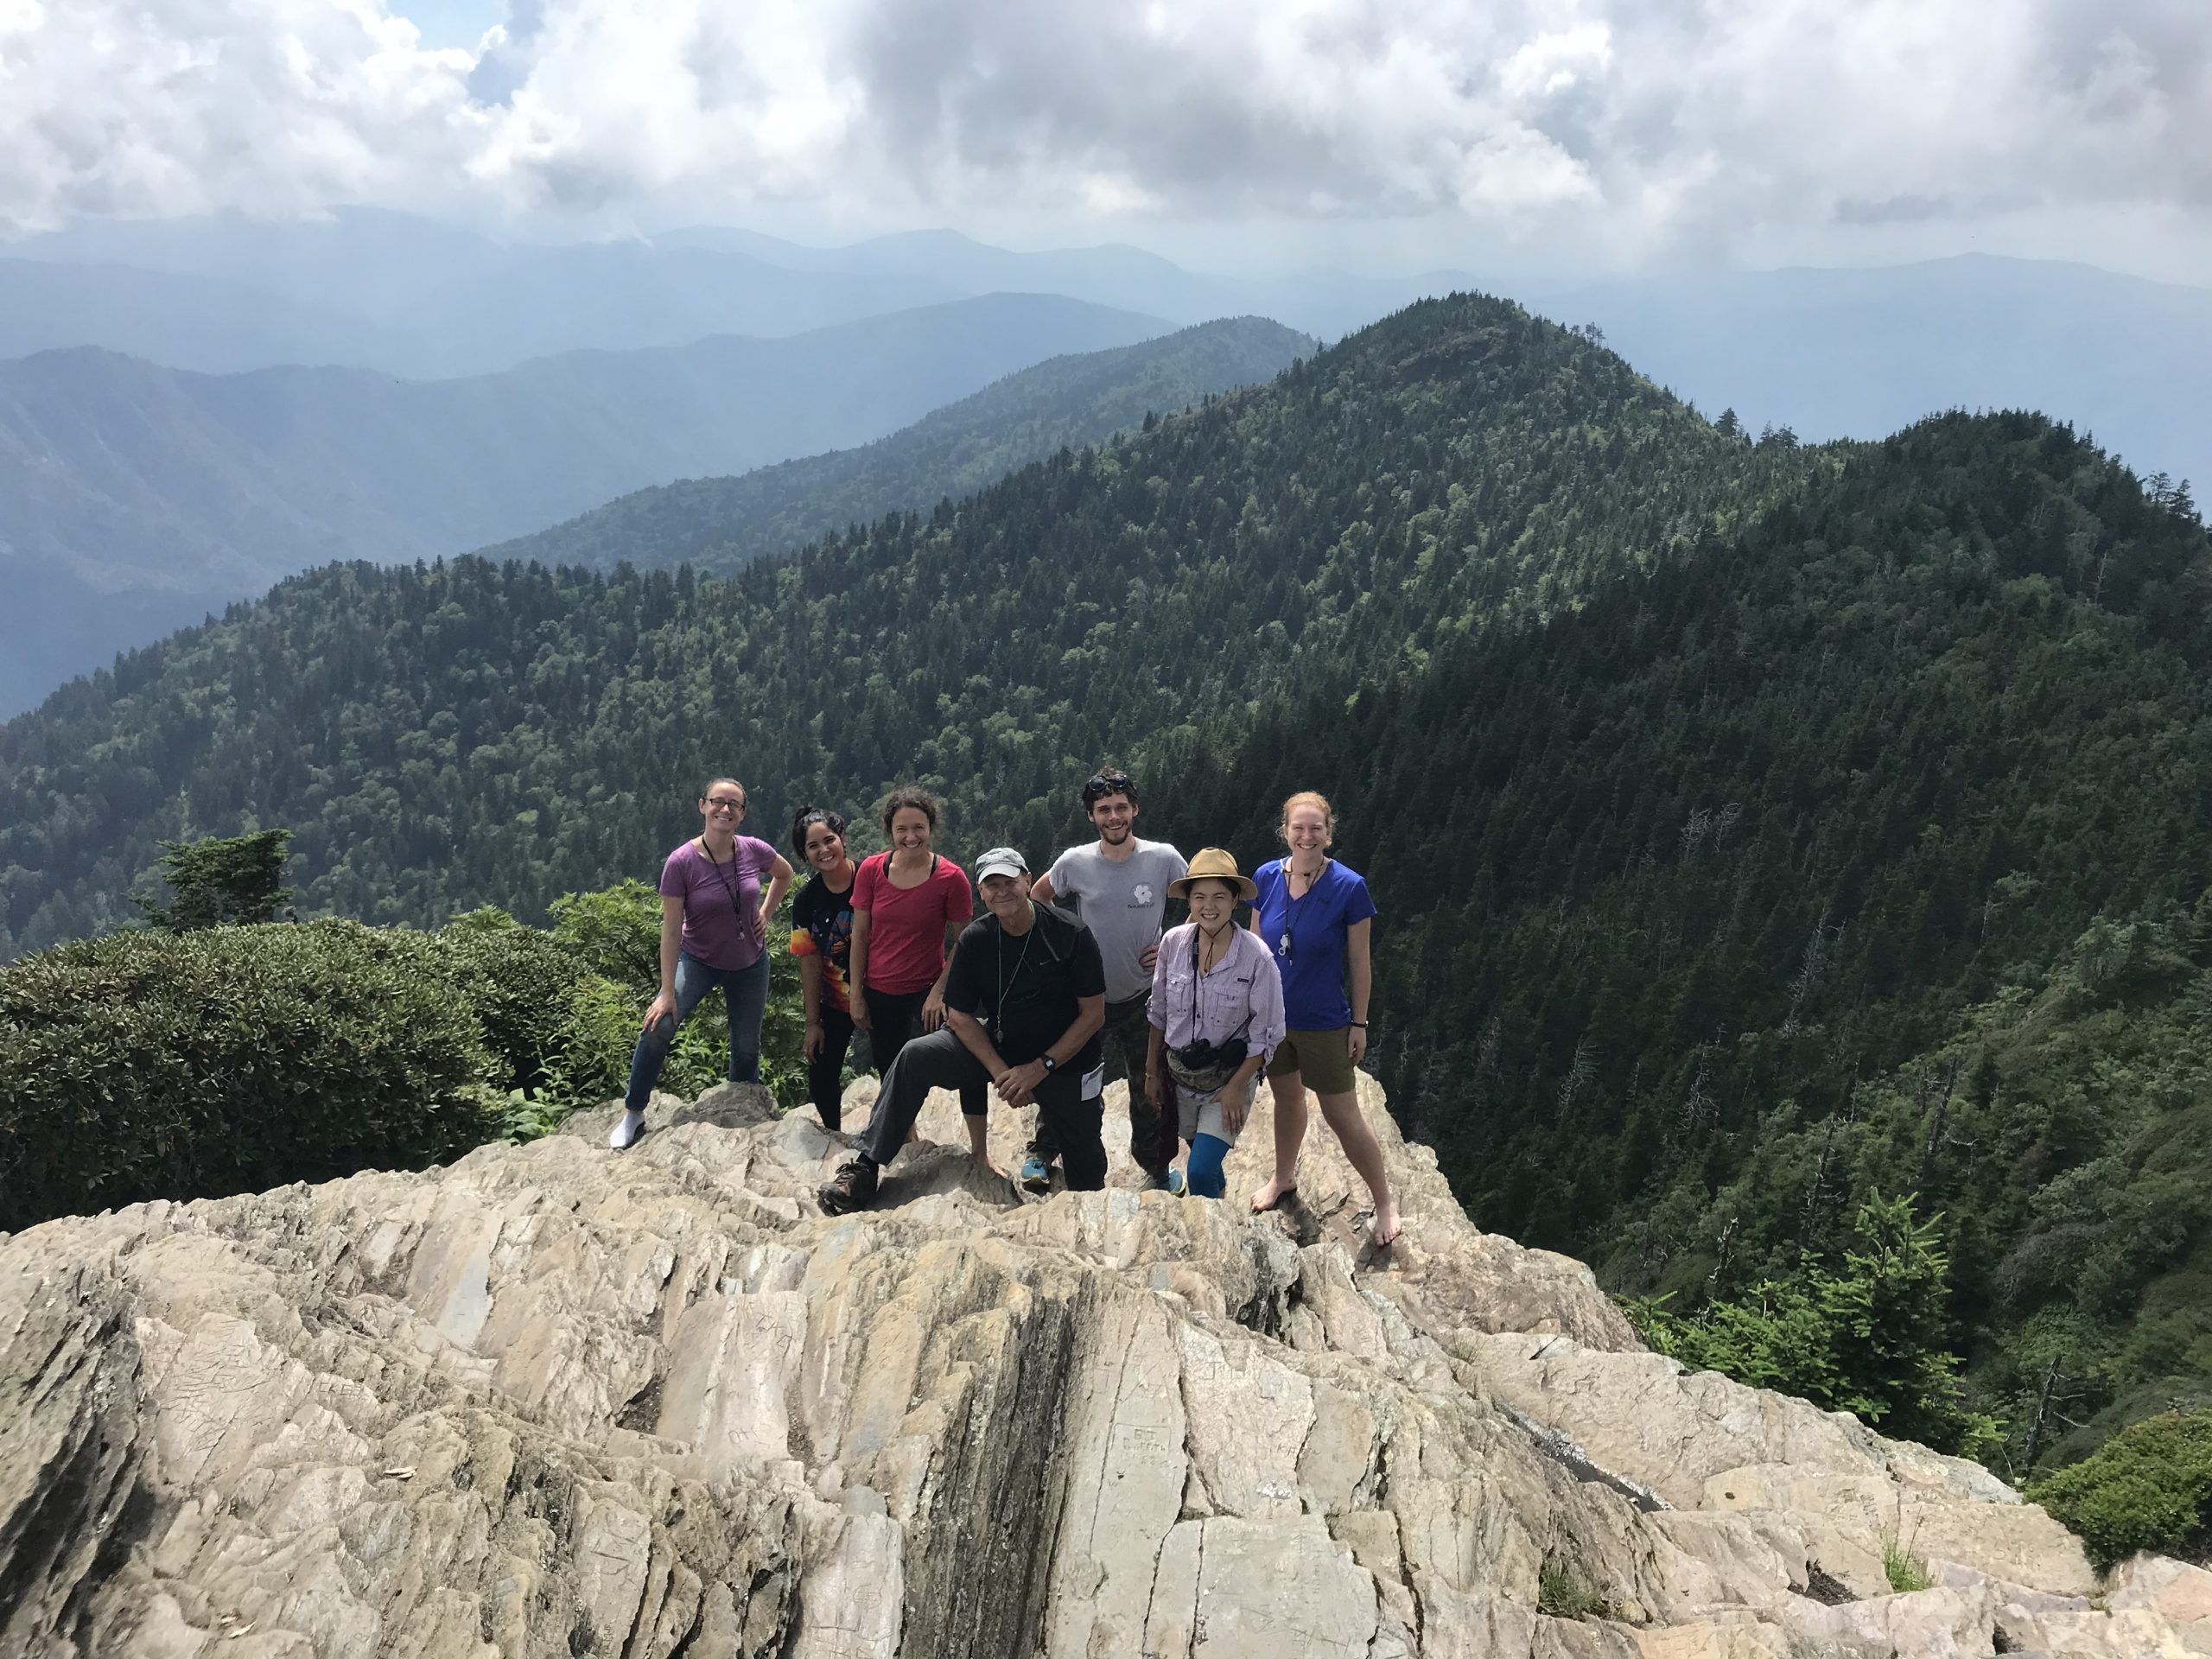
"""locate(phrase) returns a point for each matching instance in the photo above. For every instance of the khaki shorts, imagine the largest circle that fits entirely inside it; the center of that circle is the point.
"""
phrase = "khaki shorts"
(1322, 1058)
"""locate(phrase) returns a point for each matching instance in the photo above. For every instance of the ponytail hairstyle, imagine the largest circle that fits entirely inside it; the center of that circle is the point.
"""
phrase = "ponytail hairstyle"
(1308, 797)
(914, 795)
(806, 818)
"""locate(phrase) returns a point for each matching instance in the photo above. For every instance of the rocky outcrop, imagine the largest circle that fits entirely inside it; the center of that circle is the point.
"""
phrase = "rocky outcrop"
(552, 1401)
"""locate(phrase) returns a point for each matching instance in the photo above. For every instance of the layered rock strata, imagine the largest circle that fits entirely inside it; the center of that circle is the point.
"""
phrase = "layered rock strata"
(553, 1401)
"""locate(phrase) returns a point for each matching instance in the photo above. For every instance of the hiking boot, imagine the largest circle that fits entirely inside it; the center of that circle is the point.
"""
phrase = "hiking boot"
(853, 1189)
(1036, 1174)
(1169, 1179)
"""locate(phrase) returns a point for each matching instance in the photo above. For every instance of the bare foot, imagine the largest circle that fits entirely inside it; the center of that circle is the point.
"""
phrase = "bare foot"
(1273, 1194)
(988, 1168)
(1386, 1224)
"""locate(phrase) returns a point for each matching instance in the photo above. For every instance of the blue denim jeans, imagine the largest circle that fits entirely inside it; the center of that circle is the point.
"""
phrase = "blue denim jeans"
(745, 994)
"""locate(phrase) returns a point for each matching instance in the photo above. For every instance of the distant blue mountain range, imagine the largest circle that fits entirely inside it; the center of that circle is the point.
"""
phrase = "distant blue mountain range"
(150, 485)
(135, 498)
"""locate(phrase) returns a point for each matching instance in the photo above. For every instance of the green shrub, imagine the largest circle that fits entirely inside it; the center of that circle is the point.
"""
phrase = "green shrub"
(1905, 1571)
(2146, 1488)
(1562, 1594)
(522, 984)
(615, 933)
(1871, 1339)
(783, 1029)
(230, 1059)
(590, 1064)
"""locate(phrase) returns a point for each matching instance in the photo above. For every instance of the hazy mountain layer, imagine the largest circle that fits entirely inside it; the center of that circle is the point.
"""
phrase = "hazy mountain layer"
(1831, 353)
(1856, 353)
(721, 523)
(133, 498)
(402, 294)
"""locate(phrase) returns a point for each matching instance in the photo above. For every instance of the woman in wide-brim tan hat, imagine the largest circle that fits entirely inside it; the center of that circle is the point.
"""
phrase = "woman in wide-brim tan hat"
(1216, 1013)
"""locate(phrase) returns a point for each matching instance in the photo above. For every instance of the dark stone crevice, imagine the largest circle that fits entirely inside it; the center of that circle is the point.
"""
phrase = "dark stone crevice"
(72, 1370)
(978, 1563)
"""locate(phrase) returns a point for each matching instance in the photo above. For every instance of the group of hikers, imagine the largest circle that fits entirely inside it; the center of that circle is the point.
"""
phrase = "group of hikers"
(1030, 1001)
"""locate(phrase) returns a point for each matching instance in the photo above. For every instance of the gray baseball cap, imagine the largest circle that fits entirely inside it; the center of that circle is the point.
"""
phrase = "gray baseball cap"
(1001, 861)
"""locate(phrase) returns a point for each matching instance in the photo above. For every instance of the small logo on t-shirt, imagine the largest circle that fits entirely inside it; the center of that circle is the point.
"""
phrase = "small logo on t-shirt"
(1141, 897)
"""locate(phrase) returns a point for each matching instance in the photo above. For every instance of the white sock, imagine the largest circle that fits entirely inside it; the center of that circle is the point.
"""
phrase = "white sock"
(626, 1129)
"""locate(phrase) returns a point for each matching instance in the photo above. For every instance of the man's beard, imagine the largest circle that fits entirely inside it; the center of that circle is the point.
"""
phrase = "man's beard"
(1115, 834)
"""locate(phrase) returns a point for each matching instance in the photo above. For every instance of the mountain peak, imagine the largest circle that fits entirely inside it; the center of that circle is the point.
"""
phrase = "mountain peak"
(553, 1401)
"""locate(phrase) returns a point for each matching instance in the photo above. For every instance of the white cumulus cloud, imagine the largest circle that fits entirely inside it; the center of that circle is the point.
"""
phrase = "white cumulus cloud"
(1653, 126)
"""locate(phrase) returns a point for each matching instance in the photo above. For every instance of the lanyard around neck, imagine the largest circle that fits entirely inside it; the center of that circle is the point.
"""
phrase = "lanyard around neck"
(998, 1015)
(1197, 979)
(737, 909)
(1290, 906)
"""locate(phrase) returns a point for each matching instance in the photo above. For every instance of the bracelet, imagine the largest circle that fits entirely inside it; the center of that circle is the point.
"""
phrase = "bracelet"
(1362, 1024)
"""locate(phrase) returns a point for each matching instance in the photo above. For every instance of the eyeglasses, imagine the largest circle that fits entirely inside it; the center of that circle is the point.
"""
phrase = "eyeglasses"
(723, 803)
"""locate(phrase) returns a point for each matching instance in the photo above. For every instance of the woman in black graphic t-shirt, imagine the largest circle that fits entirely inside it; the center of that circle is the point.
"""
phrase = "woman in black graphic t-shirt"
(821, 940)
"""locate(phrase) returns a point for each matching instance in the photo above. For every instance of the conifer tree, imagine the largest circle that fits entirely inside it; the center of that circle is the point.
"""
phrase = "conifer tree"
(219, 880)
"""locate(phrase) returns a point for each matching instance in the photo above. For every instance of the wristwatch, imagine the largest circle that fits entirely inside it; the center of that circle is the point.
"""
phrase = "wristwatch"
(1050, 1065)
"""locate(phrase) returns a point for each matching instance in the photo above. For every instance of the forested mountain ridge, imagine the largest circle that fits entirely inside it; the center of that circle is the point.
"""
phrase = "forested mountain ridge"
(400, 719)
(131, 493)
(1708, 790)
(719, 525)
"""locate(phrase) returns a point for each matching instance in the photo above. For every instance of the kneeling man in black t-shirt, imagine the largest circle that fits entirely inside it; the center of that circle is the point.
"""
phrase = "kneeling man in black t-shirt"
(1025, 999)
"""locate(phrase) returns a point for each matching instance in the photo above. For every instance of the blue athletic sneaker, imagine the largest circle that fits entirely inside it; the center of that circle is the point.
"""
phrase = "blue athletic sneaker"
(1036, 1174)
(1170, 1181)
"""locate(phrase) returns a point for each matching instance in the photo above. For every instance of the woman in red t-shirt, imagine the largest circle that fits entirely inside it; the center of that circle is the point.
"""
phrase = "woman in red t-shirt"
(908, 906)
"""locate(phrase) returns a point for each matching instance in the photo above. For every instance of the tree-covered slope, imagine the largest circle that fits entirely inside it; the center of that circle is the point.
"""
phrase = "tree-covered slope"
(1776, 809)
(121, 480)
(718, 525)
(1772, 881)
(2061, 1133)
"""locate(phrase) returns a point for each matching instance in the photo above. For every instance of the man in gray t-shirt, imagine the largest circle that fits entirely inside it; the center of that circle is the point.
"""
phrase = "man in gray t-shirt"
(1118, 886)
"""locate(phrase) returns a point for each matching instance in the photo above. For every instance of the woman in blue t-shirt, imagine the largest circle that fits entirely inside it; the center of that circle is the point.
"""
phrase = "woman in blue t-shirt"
(1314, 913)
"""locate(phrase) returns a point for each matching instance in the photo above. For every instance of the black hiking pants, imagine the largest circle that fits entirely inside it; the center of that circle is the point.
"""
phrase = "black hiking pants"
(1128, 1039)
(941, 1060)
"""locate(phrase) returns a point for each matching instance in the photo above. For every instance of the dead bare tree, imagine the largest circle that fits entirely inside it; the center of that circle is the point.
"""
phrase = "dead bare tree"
(1486, 1067)
(1695, 830)
(1577, 1076)
(1723, 821)
(1821, 1192)
(1935, 1106)
(1697, 1108)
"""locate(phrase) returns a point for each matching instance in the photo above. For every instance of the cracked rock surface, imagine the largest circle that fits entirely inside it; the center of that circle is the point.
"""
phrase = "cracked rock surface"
(556, 1401)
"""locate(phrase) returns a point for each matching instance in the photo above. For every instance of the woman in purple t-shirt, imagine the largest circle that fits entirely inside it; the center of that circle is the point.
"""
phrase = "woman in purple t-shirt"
(713, 921)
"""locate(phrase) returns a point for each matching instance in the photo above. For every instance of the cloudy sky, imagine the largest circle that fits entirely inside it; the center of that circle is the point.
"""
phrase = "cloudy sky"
(1613, 134)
